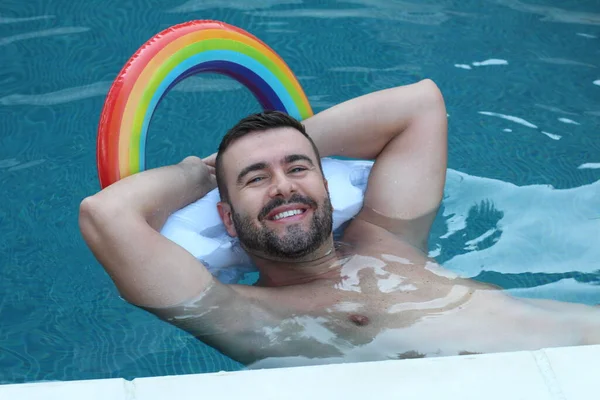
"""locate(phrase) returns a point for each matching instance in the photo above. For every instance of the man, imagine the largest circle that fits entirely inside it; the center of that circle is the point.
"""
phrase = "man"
(375, 295)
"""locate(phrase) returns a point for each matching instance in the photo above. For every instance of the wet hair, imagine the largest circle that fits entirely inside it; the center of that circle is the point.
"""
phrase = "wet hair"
(255, 123)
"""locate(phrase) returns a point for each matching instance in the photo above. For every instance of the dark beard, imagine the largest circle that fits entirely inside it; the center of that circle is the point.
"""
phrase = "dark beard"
(296, 243)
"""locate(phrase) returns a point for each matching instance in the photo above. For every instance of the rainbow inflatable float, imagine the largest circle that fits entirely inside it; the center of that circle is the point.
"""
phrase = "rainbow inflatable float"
(171, 56)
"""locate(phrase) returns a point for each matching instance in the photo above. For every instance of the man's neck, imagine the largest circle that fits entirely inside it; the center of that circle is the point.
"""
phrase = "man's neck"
(324, 263)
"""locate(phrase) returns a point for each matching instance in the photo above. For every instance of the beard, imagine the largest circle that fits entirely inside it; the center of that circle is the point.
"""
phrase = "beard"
(296, 242)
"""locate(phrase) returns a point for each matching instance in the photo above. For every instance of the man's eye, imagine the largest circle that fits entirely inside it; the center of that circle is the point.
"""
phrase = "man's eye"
(297, 169)
(256, 179)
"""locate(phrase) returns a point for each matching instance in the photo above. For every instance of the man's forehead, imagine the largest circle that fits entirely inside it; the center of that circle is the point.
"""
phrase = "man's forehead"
(267, 146)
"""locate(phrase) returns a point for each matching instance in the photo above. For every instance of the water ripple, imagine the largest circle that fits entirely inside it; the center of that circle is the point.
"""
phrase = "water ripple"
(280, 31)
(11, 162)
(589, 166)
(562, 61)
(552, 135)
(192, 84)
(406, 68)
(9, 20)
(395, 14)
(28, 164)
(553, 14)
(200, 5)
(518, 120)
(43, 33)
(554, 109)
(58, 97)
(542, 229)
(463, 66)
(491, 61)
(485, 63)
(568, 121)
(418, 13)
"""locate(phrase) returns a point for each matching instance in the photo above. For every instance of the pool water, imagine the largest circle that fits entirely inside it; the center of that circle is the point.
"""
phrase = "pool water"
(521, 210)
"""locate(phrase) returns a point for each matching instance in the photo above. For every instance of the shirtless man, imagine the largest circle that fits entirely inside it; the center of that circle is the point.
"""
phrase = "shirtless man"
(374, 296)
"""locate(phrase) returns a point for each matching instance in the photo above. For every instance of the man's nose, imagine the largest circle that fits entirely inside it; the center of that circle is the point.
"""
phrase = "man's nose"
(282, 186)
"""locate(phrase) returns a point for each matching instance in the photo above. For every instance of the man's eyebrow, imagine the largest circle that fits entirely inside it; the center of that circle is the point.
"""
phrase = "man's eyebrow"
(250, 168)
(263, 165)
(296, 157)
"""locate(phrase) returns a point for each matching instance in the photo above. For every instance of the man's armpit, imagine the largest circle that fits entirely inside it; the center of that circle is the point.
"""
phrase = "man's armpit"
(414, 232)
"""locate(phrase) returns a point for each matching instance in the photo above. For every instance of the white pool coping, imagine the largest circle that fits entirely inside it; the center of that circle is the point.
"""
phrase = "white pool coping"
(568, 373)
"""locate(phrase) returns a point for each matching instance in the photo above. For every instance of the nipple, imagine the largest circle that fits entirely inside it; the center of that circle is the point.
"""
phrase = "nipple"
(359, 320)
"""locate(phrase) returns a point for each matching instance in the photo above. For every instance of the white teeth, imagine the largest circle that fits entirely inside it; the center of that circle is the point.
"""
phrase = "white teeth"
(287, 214)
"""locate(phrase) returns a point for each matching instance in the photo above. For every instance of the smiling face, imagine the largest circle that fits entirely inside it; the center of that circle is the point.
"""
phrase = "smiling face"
(278, 205)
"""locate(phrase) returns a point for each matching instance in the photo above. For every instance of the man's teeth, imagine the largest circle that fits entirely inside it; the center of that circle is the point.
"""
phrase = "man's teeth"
(287, 214)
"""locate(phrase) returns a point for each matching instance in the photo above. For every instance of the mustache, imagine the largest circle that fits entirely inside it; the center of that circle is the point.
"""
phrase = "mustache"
(278, 202)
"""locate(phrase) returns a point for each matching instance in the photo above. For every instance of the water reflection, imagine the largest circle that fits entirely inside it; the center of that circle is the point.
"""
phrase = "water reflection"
(492, 61)
(415, 13)
(553, 14)
(517, 120)
(11, 20)
(554, 109)
(552, 135)
(568, 121)
(563, 61)
(43, 33)
(589, 166)
(201, 5)
(77, 93)
(525, 228)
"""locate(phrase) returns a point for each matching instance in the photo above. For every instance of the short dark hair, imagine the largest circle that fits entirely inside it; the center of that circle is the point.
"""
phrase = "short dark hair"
(258, 122)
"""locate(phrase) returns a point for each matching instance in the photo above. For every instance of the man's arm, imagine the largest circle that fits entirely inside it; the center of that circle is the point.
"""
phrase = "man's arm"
(405, 130)
(121, 226)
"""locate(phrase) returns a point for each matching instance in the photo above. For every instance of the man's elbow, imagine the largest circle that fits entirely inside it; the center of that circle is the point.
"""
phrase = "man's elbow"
(92, 215)
(431, 93)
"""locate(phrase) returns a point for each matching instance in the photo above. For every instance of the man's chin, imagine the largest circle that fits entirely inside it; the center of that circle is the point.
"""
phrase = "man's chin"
(281, 254)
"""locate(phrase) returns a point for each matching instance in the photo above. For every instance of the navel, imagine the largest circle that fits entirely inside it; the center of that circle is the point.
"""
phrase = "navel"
(359, 320)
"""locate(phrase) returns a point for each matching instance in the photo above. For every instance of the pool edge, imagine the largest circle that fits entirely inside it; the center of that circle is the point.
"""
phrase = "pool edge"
(551, 373)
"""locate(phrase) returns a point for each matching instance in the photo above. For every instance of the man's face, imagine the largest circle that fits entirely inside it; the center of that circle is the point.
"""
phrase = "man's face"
(279, 204)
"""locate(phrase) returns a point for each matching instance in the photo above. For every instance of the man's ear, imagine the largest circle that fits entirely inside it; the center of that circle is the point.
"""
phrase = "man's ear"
(225, 214)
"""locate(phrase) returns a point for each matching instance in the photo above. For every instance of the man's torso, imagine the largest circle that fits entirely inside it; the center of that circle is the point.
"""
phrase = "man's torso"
(389, 300)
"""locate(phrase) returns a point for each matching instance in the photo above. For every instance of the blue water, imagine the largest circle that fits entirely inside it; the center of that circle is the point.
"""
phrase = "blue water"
(522, 205)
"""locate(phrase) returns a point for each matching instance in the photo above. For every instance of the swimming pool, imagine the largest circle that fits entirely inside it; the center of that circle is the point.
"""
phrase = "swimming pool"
(521, 83)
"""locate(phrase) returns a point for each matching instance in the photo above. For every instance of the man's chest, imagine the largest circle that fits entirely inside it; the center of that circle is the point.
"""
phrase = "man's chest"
(355, 314)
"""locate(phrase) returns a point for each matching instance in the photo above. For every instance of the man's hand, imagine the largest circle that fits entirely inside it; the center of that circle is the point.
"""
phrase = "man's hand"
(211, 162)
